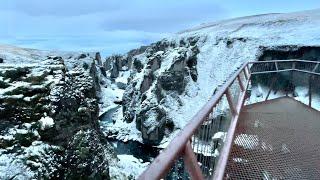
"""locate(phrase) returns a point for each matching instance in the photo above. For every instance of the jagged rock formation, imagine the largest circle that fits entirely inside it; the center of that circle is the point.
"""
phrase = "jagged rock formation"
(144, 97)
(49, 103)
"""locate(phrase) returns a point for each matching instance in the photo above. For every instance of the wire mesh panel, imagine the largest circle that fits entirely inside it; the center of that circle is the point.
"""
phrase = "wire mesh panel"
(285, 65)
(261, 67)
(305, 66)
(208, 139)
(273, 144)
(317, 69)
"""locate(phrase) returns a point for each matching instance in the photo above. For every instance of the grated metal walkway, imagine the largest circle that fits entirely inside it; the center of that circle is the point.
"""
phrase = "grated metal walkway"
(276, 139)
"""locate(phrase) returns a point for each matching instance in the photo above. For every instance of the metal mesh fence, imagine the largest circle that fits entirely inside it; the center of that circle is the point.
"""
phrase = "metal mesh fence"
(260, 67)
(206, 142)
(208, 139)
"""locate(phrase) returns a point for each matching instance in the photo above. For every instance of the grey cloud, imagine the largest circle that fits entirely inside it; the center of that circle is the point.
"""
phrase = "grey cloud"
(164, 15)
(147, 15)
(109, 26)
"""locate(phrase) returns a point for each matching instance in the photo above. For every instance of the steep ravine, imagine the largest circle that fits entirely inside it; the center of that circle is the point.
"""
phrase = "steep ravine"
(77, 115)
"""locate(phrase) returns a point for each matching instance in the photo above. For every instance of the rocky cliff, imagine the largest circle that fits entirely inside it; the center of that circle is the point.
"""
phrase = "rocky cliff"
(49, 116)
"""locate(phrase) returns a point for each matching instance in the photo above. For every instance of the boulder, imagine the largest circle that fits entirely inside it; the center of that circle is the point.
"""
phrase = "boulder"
(151, 123)
(107, 64)
(82, 56)
(114, 71)
(172, 81)
(86, 156)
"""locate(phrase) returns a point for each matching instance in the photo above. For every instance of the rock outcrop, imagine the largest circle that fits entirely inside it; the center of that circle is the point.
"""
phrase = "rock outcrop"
(152, 81)
(49, 103)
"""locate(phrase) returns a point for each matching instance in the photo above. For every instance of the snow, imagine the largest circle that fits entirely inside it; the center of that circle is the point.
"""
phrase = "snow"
(10, 166)
(247, 141)
(46, 122)
(128, 167)
(123, 77)
(259, 94)
(108, 95)
(240, 160)
(15, 164)
(13, 86)
(219, 135)
(120, 129)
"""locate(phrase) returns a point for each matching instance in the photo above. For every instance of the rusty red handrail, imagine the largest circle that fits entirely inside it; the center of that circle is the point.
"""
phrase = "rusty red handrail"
(161, 165)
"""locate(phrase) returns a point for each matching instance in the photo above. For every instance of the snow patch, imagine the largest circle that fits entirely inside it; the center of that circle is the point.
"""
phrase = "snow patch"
(46, 122)
(129, 166)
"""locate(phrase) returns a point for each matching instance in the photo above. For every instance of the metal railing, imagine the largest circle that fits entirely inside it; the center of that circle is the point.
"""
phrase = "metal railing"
(275, 66)
(194, 143)
(297, 72)
(193, 153)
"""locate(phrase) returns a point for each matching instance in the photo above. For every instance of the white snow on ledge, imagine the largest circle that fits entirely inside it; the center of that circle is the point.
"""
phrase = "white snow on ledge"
(46, 122)
(128, 167)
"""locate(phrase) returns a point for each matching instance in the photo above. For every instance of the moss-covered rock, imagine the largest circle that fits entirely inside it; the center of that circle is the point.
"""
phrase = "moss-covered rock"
(86, 157)
(15, 74)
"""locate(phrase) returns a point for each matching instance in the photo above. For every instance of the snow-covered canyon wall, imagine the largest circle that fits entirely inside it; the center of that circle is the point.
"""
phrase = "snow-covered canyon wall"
(58, 108)
(49, 116)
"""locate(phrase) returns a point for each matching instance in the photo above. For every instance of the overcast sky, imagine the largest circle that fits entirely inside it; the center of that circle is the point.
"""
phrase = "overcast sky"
(116, 26)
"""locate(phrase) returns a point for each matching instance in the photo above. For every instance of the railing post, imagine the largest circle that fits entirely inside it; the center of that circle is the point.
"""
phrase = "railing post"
(274, 79)
(191, 163)
(229, 99)
(293, 65)
(276, 63)
(180, 146)
(310, 91)
(240, 83)
(245, 72)
(315, 68)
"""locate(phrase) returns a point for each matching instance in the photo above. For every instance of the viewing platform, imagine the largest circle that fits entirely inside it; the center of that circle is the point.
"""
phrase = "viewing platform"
(232, 137)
